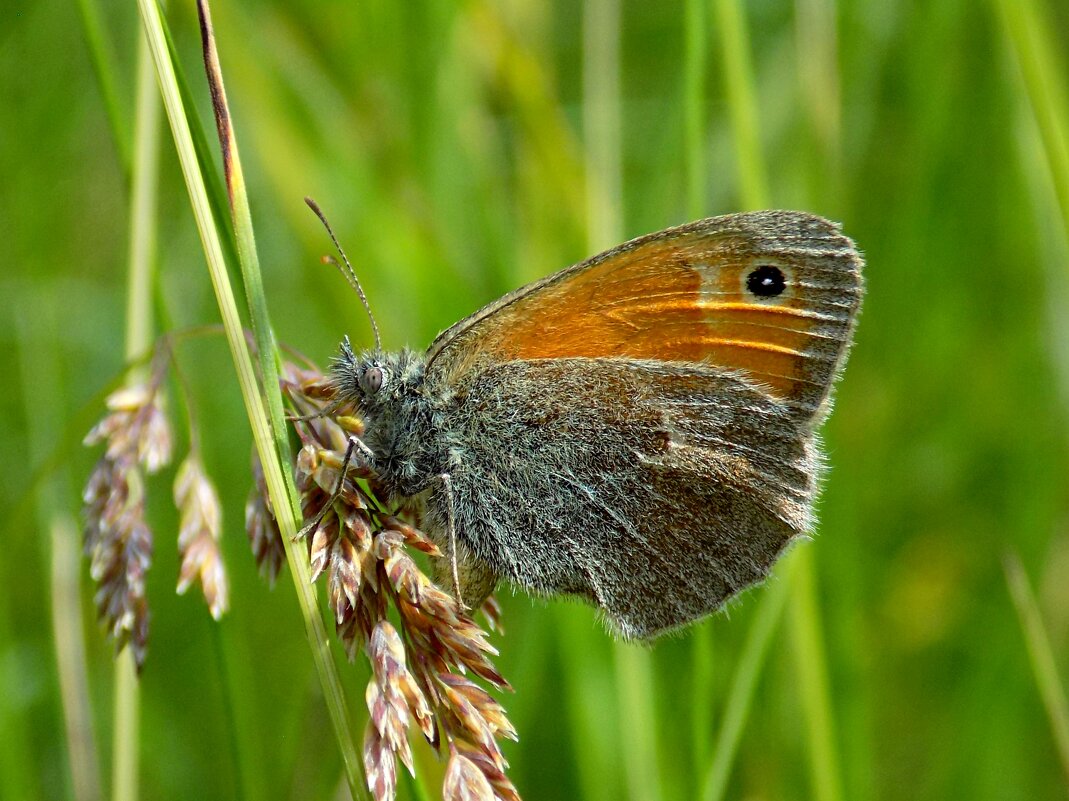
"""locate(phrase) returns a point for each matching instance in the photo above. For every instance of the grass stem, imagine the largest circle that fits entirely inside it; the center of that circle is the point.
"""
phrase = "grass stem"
(742, 104)
(70, 659)
(695, 134)
(127, 725)
(144, 178)
(813, 678)
(743, 682)
(602, 113)
(283, 499)
(103, 61)
(696, 167)
(1041, 656)
(1031, 43)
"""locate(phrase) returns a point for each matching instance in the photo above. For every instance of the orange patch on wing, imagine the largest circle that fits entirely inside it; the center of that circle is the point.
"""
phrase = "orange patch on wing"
(678, 300)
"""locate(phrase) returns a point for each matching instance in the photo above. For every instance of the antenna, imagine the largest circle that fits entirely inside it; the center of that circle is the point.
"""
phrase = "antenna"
(347, 270)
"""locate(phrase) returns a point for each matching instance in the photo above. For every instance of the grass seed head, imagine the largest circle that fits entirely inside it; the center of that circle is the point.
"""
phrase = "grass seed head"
(418, 662)
(117, 538)
(198, 536)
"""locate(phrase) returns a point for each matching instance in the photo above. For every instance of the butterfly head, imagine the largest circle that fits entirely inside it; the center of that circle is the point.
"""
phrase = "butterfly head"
(375, 380)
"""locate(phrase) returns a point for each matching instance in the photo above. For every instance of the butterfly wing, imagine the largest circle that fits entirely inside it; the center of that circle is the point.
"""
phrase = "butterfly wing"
(654, 490)
(637, 429)
(772, 295)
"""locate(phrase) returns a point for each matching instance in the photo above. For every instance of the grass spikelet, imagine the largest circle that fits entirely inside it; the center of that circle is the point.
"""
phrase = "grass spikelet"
(420, 664)
(117, 538)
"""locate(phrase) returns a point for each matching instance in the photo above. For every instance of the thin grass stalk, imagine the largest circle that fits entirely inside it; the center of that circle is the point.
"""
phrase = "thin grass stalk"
(743, 683)
(818, 73)
(817, 54)
(70, 659)
(42, 391)
(103, 61)
(635, 692)
(735, 47)
(248, 257)
(127, 728)
(18, 768)
(601, 123)
(283, 501)
(742, 107)
(267, 353)
(217, 194)
(588, 707)
(594, 746)
(245, 774)
(604, 171)
(812, 684)
(824, 764)
(1040, 656)
(696, 166)
(1041, 69)
(144, 180)
(695, 57)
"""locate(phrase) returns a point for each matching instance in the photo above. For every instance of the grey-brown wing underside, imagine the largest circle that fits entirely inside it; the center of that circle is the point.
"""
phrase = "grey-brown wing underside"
(656, 491)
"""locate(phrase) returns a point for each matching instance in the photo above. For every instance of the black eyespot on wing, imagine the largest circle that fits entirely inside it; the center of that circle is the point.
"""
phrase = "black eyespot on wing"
(766, 281)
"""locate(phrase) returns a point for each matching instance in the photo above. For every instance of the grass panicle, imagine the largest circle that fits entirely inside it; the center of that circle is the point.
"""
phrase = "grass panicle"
(418, 664)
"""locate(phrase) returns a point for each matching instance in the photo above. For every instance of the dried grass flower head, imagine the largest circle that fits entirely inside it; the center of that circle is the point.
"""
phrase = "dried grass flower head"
(424, 652)
(118, 541)
(198, 536)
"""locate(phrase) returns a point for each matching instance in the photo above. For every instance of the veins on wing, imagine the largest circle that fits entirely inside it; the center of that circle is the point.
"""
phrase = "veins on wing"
(591, 494)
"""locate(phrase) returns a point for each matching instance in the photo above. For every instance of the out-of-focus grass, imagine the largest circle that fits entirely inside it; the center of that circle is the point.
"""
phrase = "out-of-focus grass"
(448, 143)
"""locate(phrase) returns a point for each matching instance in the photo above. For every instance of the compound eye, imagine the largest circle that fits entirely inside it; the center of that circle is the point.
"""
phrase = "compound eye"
(373, 379)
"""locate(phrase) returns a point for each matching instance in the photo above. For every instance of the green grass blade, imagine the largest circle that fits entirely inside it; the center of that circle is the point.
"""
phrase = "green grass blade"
(1029, 35)
(696, 167)
(145, 180)
(1028, 31)
(283, 501)
(70, 659)
(588, 706)
(743, 683)
(601, 123)
(604, 172)
(1040, 655)
(813, 679)
(103, 61)
(753, 189)
(38, 319)
(742, 105)
(127, 729)
(695, 56)
(217, 195)
(248, 257)
(139, 336)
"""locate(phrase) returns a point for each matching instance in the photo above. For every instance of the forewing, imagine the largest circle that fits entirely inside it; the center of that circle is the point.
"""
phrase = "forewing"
(704, 293)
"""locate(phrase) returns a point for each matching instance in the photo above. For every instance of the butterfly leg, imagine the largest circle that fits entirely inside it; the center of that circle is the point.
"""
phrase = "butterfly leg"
(355, 444)
(447, 482)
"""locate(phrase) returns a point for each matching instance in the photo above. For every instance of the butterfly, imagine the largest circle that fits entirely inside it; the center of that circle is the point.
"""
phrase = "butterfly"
(637, 430)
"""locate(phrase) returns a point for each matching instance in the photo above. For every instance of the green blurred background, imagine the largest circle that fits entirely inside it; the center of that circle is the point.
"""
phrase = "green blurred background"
(461, 149)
